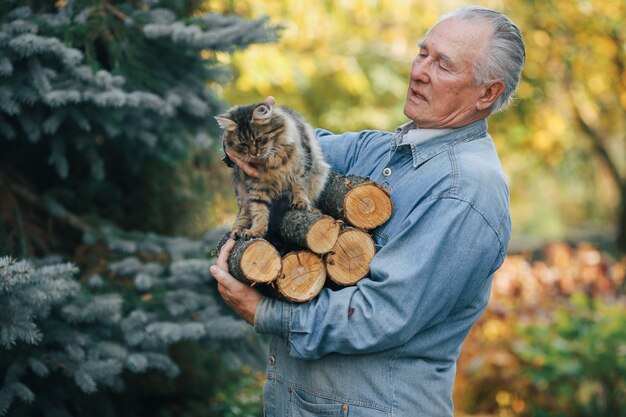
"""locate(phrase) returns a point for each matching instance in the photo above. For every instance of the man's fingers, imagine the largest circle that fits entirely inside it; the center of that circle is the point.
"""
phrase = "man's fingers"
(269, 100)
(224, 292)
(226, 280)
(246, 167)
(243, 299)
(226, 249)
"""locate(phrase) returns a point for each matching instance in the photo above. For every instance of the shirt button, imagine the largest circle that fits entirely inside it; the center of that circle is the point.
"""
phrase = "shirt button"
(387, 172)
(272, 360)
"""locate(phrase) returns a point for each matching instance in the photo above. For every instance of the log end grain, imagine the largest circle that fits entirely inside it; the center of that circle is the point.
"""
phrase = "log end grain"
(323, 234)
(349, 260)
(310, 229)
(303, 276)
(367, 206)
(260, 261)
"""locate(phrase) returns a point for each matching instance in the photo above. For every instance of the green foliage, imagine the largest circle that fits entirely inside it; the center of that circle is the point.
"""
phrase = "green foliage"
(105, 109)
(105, 122)
(572, 100)
(206, 387)
(551, 342)
(127, 318)
(576, 362)
(242, 396)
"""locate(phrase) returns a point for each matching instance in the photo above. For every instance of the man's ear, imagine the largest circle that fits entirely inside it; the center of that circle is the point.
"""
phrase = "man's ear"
(491, 92)
(225, 123)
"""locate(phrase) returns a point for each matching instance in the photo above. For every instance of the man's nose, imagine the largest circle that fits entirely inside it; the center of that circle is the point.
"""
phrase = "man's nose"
(419, 70)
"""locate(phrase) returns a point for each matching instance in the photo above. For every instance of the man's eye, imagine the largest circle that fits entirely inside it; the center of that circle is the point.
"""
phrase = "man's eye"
(443, 67)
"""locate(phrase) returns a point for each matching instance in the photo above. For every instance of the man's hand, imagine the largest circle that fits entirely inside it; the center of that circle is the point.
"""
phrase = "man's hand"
(247, 167)
(239, 296)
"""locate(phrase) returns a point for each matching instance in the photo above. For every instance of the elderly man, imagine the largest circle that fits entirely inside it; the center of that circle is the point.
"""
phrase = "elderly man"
(389, 345)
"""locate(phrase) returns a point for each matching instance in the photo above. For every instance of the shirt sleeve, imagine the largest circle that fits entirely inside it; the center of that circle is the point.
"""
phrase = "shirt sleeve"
(415, 281)
(342, 150)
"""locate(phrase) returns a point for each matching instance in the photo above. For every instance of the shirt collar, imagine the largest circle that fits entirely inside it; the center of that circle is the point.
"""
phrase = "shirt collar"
(409, 134)
(427, 143)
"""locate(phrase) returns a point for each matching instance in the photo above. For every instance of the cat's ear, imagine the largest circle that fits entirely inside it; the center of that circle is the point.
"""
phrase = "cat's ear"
(225, 123)
(262, 112)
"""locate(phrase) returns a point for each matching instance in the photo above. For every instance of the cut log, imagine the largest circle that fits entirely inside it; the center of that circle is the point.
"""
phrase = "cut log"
(355, 200)
(303, 276)
(253, 261)
(317, 232)
(349, 260)
(220, 242)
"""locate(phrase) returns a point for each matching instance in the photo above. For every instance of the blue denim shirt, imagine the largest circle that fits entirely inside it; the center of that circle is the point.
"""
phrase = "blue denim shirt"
(388, 346)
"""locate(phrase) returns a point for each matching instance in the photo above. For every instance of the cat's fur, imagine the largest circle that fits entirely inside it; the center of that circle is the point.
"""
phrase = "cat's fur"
(283, 148)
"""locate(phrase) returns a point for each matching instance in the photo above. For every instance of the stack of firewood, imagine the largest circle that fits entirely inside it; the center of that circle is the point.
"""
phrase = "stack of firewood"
(333, 248)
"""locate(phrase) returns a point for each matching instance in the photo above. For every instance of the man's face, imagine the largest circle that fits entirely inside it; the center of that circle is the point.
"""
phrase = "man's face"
(441, 91)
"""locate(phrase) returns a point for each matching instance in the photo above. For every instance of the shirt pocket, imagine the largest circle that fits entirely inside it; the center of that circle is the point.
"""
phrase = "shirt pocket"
(305, 404)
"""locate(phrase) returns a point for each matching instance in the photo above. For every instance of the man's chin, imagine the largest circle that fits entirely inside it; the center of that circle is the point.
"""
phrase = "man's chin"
(411, 112)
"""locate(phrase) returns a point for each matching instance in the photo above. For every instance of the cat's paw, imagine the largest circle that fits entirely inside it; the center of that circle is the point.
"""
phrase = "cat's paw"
(237, 232)
(251, 234)
(301, 205)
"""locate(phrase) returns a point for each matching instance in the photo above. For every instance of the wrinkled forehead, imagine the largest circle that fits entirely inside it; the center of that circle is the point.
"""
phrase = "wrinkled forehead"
(458, 39)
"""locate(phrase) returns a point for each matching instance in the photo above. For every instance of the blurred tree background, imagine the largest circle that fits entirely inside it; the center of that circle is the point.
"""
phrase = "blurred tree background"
(109, 159)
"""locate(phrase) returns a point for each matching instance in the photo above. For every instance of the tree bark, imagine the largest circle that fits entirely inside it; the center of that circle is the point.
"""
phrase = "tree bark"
(253, 261)
(302, 278)
(608, 160)
(355, 200)
(317, 232)
(349, 260)
(621, 227)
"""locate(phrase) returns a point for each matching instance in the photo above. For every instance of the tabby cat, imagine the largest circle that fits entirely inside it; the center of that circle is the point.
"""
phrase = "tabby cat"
(282, 146)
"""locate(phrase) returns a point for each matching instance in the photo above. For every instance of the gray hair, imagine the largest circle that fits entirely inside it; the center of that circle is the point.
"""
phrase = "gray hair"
(505, 55)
